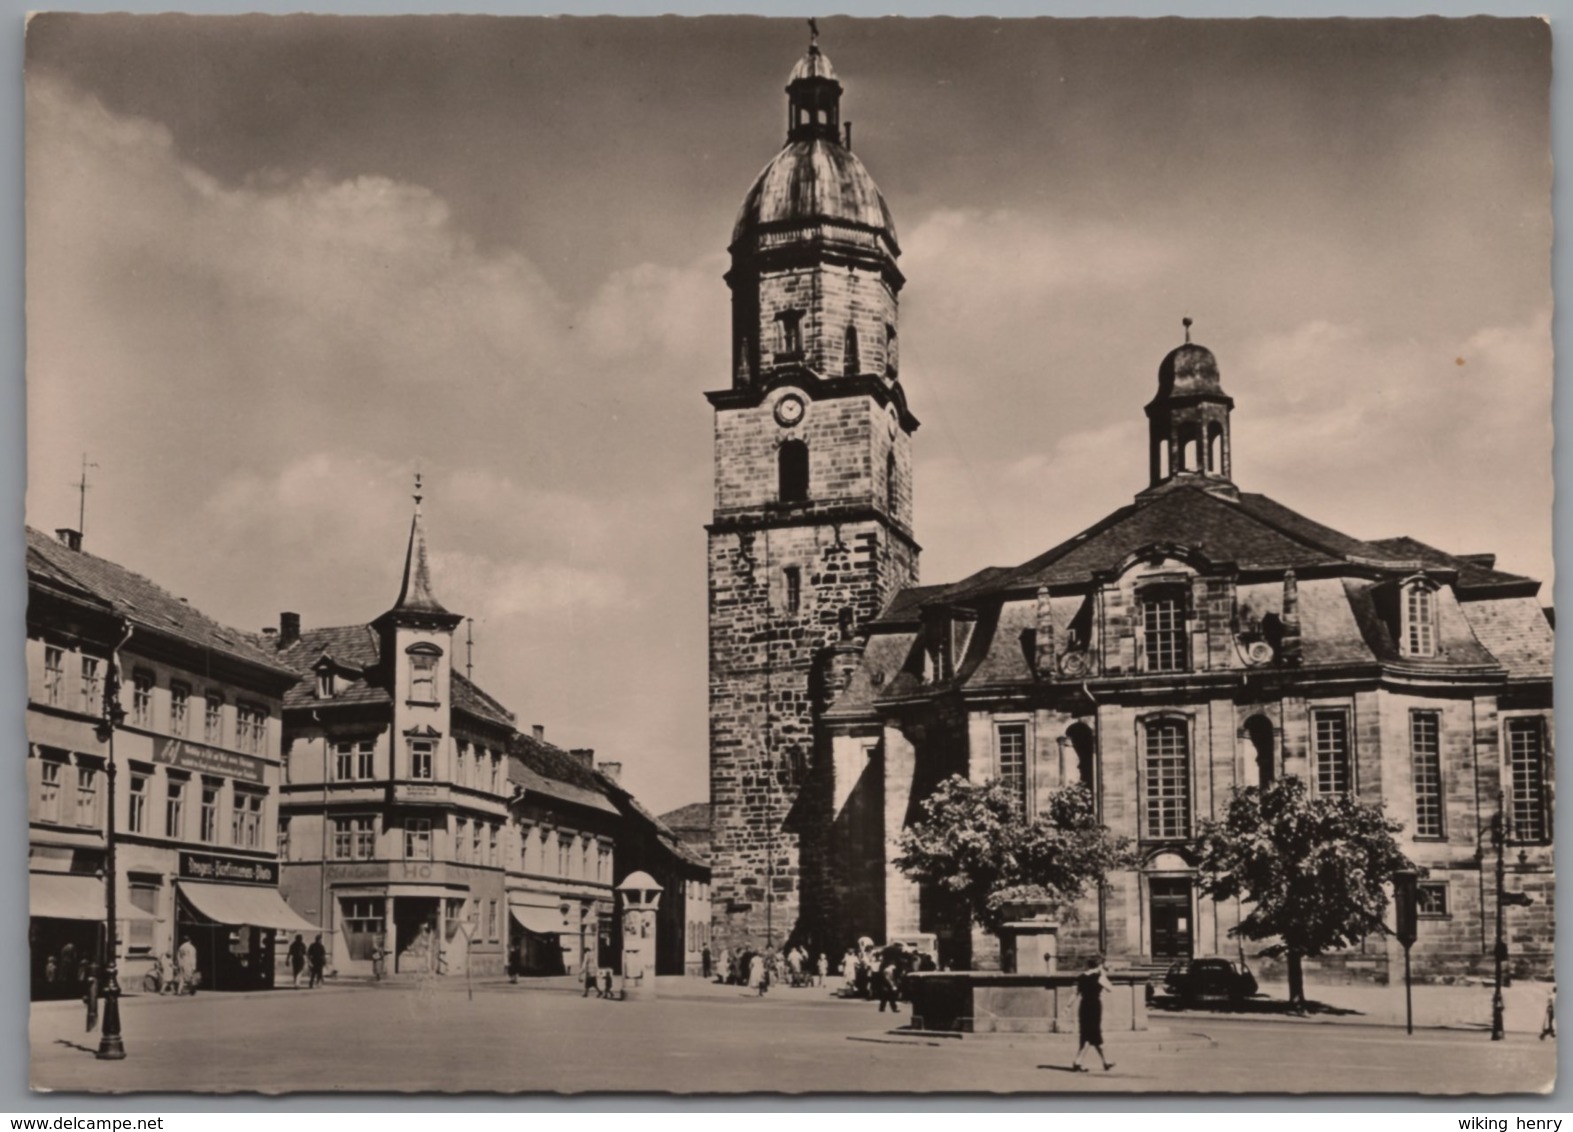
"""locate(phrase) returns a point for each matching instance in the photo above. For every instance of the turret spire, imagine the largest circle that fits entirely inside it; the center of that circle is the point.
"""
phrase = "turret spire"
(415, 592)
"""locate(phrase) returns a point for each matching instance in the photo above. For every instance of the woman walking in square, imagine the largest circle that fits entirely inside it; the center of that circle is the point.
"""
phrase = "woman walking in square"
(1090, 987)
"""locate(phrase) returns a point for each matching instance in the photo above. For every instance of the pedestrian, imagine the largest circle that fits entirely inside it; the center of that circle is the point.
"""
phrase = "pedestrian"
(794, 962)
(1090, 987)
(821, 969)
(297, 959)
(705, 961)
(1548, 1029)
(515, 959)
(588, 974)
(317, 960)
(379, 957)
(849, 974)
(68, 972)
(724, 973)
(186, 966)
(757, 978)
(892, 965)
(606, 983)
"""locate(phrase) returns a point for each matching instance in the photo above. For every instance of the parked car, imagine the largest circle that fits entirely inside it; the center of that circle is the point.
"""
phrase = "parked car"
(1197, 981)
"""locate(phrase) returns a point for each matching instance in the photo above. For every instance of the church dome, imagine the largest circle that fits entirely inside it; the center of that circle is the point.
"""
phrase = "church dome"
(814, 179)
(1189, 368)
(813, 65)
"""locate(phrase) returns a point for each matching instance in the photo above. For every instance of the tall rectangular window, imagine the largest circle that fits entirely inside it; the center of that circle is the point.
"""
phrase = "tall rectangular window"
(1163, 630)
(213, 720)
(86, 795)
(1011, 741)
(352, 761)
(461, 840)
(208, 825)
(497, 776)
(476, 833)
(1425, 748)
(1330, 749)
(179, 700)
(54, 675)
(461, 763)
(793, 578)
(175, 808)
(417, 839)
(283, 837)
(142, 699)
(1168, 779)
(92, 685)
(50, 773)
(491, 845)
(354, 838)
(136, 804)
(247, 819)
(251, 728)
(1527, 779)
(564, 854)
(421, 753)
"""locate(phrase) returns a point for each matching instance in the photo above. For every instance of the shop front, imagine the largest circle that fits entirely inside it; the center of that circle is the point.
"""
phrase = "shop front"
(65, 931)
(231, 911)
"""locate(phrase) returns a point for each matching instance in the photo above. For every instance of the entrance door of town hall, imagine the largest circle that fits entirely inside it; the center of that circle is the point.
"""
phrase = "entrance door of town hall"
(1172, 929)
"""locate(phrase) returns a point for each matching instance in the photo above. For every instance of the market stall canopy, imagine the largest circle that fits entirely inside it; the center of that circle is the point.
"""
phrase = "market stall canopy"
(541, 921)
(244, 904)
(73, 896)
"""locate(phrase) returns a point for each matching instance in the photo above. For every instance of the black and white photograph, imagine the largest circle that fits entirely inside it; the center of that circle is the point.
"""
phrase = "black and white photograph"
(620, 555)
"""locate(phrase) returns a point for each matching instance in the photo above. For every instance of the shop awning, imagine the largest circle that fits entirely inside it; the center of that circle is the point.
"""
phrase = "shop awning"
(244, 904)
(73, 896)
(541, 921)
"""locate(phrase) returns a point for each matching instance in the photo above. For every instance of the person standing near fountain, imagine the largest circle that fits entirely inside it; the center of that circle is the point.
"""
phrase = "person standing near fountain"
(1090, 987)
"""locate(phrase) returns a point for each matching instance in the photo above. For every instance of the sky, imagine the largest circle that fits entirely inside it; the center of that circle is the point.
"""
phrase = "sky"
(278, 264)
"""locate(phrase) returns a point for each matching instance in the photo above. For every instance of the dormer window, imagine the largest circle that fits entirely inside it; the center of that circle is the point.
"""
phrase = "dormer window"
(1163, 629)
(1418, 610)
(324, 683)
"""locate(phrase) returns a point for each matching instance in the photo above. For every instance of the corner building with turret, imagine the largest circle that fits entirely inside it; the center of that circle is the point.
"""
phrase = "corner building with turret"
(1200, 639)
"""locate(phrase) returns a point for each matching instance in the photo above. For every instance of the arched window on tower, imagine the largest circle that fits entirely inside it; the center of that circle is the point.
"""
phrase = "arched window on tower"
(1215, 448)
(1260, 734)
(891, 486)
(852, 361)
(1190, 451)
(890, 350)
(793, 467)
(1161, 457)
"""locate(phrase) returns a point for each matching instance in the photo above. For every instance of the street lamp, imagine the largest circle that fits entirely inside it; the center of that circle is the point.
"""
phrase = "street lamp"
(110, 1045)
(1522, 899)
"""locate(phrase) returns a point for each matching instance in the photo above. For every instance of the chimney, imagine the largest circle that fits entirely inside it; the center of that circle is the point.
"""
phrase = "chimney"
(585, 755)
(72, 538)
(1043, 636)
(539, 731)
(289, 628)
(847, 127)
(614, 771)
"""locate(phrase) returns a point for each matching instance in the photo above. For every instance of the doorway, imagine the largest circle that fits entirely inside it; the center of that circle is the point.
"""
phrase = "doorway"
(1172, 920)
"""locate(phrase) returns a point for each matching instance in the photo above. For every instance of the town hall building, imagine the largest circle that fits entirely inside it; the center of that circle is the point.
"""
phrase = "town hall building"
(1200, 639)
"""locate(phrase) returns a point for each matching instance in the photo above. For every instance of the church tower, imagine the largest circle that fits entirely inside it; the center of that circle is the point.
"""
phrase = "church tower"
(812, 530)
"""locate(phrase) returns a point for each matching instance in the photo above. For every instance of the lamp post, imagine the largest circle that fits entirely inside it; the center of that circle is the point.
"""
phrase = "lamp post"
(1504, 898)
(110, 1045)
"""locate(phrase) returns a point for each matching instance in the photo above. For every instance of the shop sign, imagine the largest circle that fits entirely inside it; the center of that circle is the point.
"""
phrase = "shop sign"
(207, 760)
(235, 870)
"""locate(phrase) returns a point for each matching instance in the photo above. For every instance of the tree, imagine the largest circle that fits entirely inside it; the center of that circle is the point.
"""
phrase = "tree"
(972, 842)
(1312, 869)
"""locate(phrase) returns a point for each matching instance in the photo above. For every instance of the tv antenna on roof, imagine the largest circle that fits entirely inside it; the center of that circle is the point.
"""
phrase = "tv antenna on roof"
(81, 486)
(469, 647)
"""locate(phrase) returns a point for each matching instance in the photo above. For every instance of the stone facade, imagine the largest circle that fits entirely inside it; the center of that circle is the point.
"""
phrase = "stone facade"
(811, 533)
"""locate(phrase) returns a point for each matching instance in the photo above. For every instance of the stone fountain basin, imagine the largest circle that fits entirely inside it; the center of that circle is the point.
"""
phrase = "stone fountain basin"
(995, 1002)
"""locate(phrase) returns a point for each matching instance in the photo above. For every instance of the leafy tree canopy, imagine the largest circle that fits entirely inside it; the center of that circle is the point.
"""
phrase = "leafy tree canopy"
(1311, 869)
(973, 842)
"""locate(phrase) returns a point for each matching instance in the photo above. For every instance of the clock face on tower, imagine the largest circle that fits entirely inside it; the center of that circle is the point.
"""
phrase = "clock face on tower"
(789, 410)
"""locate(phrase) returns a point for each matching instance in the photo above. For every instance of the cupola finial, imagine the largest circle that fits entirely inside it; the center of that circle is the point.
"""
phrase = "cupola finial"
(813, 34)
(417, 491)
(1186, 322)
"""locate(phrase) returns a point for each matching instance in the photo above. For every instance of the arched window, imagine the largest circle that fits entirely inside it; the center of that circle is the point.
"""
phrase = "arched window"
(890, 481)
(1167, 778)
(1190, 452)
(890, 350)
(1215, 448)
(793, 472)
(1084, 746)
(852, 361)
(1260, 733)
(1161, 456)
(1419, 619)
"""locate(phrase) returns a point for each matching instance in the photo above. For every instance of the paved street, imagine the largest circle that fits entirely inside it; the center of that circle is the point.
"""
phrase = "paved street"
(708, 1039)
